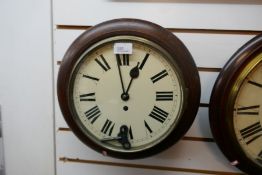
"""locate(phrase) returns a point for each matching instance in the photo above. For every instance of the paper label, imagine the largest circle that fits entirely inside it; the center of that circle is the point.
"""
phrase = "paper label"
(123, 48)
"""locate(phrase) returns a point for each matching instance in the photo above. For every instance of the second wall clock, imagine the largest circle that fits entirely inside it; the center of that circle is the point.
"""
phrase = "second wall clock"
(236, 108)
(128, 88)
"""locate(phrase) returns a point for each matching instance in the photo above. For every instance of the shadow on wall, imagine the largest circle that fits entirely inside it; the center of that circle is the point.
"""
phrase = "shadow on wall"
(1, 148)
(256, 2)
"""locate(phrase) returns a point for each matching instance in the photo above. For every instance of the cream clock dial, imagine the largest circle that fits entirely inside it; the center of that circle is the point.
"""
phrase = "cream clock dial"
(248, 115)
(155, 95)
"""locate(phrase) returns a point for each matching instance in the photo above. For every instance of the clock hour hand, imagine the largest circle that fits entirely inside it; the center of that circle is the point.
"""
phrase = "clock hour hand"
(134, 73)
(122, 137)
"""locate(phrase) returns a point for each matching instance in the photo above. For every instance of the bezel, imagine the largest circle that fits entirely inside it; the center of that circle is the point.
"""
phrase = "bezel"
(148, 33)
(222, 101)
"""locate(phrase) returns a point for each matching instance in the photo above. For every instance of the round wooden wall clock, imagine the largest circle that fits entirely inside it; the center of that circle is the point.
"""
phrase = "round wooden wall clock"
(128, 88)
(236, 108)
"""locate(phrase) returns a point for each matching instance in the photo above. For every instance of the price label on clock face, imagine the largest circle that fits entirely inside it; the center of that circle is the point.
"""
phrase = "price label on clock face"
(123, 48)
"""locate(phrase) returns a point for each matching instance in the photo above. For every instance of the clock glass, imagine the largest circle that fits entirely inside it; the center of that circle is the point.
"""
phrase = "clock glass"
(106, 95)
(248, 114)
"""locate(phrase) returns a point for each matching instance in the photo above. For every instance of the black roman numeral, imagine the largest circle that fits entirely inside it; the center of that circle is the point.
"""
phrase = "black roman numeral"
(144, 61)
(103, 64)
(259, 157)
(130, 133)
(147, 127)
(248, 110)
(124, 60)
(253, 131)
(93, 113)
(159, 76)
(158, 114)
(88, 97)
(90, 77)
(164, 96)
(255, 83)
(108, 127)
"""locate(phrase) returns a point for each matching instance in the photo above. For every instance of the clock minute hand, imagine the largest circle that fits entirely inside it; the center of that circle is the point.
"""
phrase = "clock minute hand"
(134, 73)
(123, 133)
(122, 137)
(106, 139)
(119, 72)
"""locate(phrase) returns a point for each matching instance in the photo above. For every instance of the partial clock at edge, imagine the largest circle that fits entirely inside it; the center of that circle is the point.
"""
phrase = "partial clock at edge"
(236, 108)
(128, 88)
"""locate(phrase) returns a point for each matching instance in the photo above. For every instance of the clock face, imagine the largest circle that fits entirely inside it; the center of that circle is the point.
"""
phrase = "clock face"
(248, 115)
(128, 88)
(155, 95)
(235, 110)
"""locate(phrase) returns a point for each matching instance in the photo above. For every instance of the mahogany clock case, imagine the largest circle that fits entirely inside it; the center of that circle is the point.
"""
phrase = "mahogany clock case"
(222, 105)
(149, 31)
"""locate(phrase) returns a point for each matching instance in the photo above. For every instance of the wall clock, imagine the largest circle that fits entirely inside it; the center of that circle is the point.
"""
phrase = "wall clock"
(128, 88)
(236, 108)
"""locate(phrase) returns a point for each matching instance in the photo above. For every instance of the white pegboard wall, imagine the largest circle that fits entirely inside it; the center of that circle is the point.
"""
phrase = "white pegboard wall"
(212, 32)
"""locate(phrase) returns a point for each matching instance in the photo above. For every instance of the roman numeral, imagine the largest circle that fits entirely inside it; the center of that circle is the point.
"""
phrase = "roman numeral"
(124, 60)
(108, 127)
(159, 76)
(103, 63)
(255, 83)
(130, 133)
(88, 97)
(253, 131)
(248, 110)
(90, 77)
(158, 114)
(259, 157)
(93, 113)
(147, 127)
(144, 61)
(164, 96)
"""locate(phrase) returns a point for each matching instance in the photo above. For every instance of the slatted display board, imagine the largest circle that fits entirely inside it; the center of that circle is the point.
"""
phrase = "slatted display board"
(212, 32)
